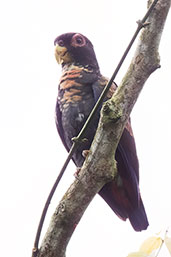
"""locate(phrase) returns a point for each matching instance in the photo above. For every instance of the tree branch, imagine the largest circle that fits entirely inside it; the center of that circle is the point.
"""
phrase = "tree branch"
(100, 166)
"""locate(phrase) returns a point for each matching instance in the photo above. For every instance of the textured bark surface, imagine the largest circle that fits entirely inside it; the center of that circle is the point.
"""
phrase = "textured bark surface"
(100, 166)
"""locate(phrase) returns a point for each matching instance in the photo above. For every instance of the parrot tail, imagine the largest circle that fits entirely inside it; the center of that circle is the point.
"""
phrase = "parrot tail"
(138, 218)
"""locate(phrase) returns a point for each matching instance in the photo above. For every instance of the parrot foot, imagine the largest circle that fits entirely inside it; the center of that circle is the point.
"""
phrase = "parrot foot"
(85, 153)
(76, 174)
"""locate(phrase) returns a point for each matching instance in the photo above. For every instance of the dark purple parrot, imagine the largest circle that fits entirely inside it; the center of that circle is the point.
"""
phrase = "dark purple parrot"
(80, 85)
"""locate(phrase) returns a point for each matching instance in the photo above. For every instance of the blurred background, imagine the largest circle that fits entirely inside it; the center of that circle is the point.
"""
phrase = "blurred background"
(31, 152)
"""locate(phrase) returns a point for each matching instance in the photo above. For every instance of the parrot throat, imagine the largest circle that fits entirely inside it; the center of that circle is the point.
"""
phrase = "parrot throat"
(89, 68)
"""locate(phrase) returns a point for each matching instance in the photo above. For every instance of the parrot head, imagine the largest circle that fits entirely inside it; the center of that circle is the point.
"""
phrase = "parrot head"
(74, 48)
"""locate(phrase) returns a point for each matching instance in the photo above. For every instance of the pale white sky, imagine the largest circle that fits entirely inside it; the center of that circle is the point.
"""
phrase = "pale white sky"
(30, 149)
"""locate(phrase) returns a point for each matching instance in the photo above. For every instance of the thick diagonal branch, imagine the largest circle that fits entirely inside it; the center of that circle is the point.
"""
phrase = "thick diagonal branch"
(114, 115)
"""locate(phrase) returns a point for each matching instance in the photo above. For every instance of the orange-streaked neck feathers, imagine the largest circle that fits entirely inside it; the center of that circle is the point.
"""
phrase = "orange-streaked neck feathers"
(74, 82)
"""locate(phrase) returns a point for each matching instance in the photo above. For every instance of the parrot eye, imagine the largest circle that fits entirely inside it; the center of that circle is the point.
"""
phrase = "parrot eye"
(78, 40)
(61, 42)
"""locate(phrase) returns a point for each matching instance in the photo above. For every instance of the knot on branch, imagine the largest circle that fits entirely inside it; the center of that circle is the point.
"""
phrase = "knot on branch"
(104, 170)
(111, 112)
(108, 170)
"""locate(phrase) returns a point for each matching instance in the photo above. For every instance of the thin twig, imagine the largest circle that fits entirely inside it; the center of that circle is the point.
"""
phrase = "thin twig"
(37, 238)
(78, 139)
(161, 243)
(160, 248)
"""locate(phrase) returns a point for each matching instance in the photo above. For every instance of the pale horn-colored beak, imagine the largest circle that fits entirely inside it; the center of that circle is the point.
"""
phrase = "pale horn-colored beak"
(62, 55)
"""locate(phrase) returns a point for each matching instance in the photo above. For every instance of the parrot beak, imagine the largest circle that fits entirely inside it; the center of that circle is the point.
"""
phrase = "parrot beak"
(62, 55)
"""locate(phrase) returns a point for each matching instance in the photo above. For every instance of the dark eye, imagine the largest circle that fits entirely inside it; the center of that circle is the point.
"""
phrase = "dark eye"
(61, 42)
(79, 40)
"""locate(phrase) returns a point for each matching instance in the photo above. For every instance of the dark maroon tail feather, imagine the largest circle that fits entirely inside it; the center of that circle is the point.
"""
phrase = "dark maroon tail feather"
(138, 218)
(116, 198)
